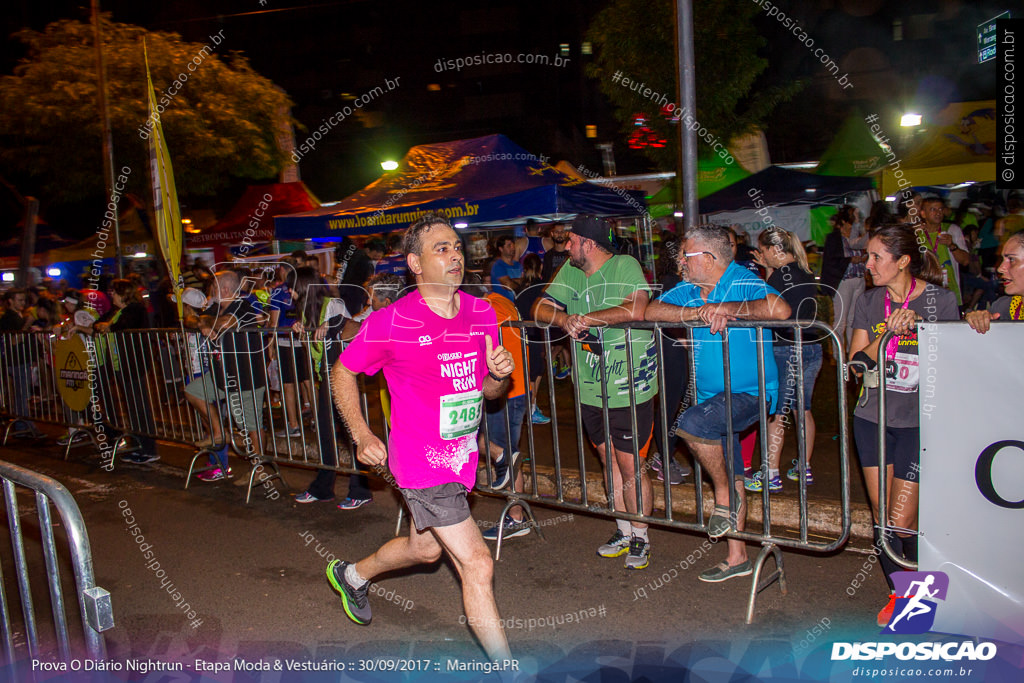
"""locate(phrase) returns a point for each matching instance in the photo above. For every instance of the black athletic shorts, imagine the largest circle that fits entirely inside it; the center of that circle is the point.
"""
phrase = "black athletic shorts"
(621, 424)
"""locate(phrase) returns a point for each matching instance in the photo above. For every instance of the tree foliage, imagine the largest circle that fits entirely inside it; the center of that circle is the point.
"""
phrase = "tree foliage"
(637, 38)
(222, 122)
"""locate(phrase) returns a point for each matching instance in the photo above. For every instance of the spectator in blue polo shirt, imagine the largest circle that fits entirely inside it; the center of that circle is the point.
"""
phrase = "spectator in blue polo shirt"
(716, 290)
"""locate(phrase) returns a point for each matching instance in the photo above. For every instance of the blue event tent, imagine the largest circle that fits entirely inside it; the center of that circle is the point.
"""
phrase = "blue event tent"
(479, 182)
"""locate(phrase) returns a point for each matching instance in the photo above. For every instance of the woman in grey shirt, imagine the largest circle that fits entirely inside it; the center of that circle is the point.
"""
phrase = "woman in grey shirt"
(909, 288)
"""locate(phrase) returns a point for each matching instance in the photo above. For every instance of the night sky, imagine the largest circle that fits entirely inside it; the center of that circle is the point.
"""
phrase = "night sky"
(323, 53)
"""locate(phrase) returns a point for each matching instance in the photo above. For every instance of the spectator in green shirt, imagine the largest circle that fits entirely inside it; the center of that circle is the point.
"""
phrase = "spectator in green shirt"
(597, 288)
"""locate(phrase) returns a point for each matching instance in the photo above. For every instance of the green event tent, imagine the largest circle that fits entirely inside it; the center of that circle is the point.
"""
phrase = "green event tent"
(854, 152)
(712, 176)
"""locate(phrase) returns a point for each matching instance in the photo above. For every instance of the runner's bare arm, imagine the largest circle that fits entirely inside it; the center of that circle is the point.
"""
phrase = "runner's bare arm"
(370, 449)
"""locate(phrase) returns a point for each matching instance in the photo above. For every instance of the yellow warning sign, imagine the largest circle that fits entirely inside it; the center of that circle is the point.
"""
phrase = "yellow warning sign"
(72, 373)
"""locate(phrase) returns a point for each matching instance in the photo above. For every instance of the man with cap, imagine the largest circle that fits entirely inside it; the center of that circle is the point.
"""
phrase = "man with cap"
(597, 288)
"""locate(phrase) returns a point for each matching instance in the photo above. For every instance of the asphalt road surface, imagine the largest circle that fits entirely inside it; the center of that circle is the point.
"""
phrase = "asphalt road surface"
(254, 577)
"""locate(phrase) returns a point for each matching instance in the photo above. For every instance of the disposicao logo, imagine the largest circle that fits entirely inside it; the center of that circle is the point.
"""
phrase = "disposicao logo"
(914, 613)
(916, 593)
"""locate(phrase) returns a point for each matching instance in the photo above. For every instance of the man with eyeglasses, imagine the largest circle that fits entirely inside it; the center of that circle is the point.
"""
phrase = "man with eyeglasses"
(715, 290)
(596, 288)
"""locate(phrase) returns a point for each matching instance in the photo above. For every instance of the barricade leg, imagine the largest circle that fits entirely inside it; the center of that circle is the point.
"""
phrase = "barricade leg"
(75, 431)
(277, 474)
(528, 515)
(757, 584)
(202, 452)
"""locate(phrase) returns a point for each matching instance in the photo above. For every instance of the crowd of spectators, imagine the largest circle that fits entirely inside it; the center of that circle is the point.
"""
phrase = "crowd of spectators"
(881, 273)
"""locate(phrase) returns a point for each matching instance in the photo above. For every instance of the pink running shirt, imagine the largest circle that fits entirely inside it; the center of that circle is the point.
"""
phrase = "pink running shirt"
(435, 370)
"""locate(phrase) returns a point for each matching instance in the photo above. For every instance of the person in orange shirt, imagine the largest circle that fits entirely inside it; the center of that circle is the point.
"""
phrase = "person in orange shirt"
(504, 451)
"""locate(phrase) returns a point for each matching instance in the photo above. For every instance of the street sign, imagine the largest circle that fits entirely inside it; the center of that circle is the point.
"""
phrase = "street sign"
(987, 38)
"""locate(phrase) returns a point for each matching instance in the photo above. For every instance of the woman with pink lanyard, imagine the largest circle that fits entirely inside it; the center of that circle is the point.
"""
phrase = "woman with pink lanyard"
(908, 288)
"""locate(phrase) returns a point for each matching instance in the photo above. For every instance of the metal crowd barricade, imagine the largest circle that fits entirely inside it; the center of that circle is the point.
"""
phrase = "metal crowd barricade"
(317, 437)
(769, 537)
(304, 448)
(139, 392)
(43, 639)
(289, 434)
(28, 390)
(144, 396)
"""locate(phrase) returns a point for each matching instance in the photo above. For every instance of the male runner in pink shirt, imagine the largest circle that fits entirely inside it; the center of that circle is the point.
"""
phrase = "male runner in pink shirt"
(440, 352)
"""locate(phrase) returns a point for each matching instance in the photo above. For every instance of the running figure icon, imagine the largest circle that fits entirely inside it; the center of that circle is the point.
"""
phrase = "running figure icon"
(914, 606)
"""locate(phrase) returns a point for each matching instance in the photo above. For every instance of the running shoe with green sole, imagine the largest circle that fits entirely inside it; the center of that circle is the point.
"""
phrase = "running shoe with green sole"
(357, 607)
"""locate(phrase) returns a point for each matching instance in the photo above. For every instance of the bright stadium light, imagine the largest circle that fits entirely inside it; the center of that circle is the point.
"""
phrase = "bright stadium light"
(908, 120)
(462, 224)
(389, 165)
(7, 277)
(53, 272)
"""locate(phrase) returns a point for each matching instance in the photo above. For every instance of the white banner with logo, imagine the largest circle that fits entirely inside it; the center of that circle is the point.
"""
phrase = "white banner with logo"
(972, 476)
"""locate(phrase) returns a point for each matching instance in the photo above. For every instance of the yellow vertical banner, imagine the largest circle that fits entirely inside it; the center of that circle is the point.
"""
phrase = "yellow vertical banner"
(165, 196)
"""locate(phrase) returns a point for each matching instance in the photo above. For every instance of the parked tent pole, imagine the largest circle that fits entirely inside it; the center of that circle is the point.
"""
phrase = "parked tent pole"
(108, 140)
(688, 95)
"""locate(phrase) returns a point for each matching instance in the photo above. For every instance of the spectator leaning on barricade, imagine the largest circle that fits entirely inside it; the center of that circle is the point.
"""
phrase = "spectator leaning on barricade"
(908, 288)
(325, 317)
(238, 376)
(127, 373)
(716, 290)
(440, 353)
(1011, 273)
(598, 288)
(783, 256)
(17, 359)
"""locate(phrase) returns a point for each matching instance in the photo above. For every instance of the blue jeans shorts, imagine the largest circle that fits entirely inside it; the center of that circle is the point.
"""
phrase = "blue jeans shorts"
(706, 423)
(785, 360)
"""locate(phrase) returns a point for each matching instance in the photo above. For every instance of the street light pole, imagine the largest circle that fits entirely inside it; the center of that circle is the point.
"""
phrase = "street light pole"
(688, 94)
(108, 141)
